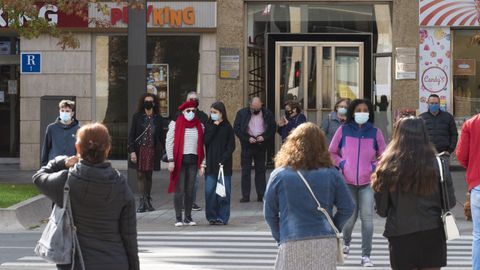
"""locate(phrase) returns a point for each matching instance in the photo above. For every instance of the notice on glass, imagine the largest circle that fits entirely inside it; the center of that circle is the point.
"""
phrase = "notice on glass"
(406, 64)
(230, 63)
(158, 84)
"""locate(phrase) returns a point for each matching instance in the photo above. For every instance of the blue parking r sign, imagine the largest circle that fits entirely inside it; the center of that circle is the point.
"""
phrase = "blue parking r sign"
(31, 62)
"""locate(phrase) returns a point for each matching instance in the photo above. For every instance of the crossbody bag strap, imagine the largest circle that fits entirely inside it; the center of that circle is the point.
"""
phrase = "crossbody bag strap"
(443, 188)
(76, 243)
(319, 206)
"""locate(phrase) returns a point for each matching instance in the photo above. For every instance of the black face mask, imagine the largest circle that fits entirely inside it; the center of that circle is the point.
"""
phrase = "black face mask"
(256, 112)
(148, 105)
(288, 113)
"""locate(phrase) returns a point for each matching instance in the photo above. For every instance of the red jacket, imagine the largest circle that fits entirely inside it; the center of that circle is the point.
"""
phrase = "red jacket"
(468, 150)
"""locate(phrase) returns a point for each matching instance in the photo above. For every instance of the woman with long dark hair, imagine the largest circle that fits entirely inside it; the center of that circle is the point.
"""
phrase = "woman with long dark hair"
(219, 144)
(306, 239)
(407, 192)
(355, 148)
(102, 204)
(145, 146)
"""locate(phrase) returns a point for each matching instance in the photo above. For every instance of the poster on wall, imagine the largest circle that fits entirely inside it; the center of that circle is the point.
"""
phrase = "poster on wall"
(435, 66)
(158, 84)
(406, 64)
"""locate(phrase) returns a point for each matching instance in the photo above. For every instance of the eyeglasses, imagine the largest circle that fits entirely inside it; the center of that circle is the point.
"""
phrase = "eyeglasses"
(190, 110)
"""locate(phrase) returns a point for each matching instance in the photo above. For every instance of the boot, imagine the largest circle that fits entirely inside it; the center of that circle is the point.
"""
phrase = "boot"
(149, 203)
(142, 205)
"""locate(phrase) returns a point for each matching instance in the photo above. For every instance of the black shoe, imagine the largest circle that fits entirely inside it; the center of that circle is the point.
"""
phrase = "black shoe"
(260, 199)
(212, 222)
(189, 222)
(195, 207)
(142, 205)
(149, 203)
(244, 200)
(219, 222)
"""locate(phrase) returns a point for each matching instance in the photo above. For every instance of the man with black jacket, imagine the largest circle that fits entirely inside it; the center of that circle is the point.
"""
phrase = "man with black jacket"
(254, 127)
(441, 126)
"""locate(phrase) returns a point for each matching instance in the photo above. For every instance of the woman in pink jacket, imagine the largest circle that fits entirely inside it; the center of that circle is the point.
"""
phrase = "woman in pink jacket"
(355, 149)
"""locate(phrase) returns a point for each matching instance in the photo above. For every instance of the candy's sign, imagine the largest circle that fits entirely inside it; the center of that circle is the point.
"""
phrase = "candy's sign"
(434, 79)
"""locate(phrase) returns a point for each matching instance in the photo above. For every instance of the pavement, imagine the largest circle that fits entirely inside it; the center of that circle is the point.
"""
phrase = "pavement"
(244, 216)
(245, 243)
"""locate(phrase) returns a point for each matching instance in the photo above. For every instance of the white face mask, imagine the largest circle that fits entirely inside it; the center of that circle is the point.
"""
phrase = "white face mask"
(342, 111)
(361, 117)
(65, 116)
(189, 115)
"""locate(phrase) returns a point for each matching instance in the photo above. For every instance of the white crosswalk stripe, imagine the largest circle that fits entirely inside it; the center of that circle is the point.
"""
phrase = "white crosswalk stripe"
(240, 250)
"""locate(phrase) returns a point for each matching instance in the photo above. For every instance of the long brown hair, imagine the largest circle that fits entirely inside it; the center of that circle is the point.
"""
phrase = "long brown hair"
(408, 163)
(305, 148)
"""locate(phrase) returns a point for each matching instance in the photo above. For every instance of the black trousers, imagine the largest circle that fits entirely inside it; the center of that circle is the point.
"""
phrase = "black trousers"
(258, 155)
(184, 189)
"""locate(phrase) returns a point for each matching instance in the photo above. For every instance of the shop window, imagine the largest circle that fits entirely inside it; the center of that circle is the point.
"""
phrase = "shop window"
(383, 94)
(466, 76)
(172, 62)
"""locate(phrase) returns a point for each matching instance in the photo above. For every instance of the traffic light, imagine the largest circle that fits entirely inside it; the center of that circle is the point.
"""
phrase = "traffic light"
(297, 74)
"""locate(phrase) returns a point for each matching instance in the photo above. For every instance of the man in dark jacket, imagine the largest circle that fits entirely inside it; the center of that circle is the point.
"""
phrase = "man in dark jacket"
(60, 136)
(441, 126)
(254, 127)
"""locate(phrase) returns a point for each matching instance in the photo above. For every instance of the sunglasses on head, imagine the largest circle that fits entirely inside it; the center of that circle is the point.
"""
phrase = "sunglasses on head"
(190, 110)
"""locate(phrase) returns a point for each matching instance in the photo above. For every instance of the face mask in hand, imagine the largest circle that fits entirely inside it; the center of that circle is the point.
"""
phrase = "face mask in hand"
(361, 117)
(65, 116)
(189, 115)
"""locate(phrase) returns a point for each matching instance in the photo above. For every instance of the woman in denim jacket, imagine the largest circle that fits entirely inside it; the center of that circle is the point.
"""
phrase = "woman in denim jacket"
(306, 239)
(355, 149)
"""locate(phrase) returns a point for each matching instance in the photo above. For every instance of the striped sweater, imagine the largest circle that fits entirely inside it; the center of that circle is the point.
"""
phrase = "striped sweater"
(191, 140)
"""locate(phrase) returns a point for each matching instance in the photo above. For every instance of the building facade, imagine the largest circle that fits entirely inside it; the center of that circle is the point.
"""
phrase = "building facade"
(311, 51)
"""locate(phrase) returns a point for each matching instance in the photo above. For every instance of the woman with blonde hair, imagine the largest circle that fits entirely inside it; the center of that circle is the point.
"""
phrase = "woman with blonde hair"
(304, 234)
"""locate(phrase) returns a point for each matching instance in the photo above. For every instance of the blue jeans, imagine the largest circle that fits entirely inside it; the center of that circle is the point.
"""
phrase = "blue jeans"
(216, 207)
(363, 199)
(475, 205)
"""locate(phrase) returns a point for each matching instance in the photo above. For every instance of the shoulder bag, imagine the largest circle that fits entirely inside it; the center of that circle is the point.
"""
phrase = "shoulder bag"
(449, 225)
(220, 189)
(59, 242)
(339, 236)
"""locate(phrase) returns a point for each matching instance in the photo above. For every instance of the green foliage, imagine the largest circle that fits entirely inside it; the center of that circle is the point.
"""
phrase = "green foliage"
(22, 16)
(11, 194)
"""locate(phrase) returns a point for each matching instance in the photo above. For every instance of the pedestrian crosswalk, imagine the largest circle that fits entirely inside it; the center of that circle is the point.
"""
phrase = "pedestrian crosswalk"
(195, 250)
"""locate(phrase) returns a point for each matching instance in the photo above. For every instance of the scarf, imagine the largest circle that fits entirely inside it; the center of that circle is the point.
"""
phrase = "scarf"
(179, 141)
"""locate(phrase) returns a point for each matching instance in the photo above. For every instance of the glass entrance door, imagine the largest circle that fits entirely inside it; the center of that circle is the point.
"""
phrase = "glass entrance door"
(317, 74)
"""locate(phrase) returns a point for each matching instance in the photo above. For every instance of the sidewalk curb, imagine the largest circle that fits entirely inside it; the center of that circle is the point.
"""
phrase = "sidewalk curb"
(24, 215)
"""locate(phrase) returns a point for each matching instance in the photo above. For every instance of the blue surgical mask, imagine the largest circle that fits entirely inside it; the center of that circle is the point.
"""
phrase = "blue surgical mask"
(189, 115)
(434, 108)
(215, 116)
(362, 117)
(342, 111)
(65, 116)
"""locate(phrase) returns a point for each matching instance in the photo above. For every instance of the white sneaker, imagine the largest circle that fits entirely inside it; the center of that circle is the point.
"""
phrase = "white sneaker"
(178, 224)
(366, 262)
(346, 250)
(189, 222)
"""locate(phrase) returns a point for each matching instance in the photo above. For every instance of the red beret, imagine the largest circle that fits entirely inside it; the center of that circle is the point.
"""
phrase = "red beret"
(188, 104)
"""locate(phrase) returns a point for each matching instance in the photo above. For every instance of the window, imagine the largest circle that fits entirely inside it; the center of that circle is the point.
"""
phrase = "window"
(179, 53)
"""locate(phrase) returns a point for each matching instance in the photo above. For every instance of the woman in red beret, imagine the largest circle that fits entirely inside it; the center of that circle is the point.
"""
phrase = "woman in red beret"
(185, 154)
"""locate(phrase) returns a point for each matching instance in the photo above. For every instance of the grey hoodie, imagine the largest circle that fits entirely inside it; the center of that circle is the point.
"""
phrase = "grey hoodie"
(59, 140)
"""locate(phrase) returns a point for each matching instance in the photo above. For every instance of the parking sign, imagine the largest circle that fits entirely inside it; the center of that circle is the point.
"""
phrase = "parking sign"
(31, 63)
